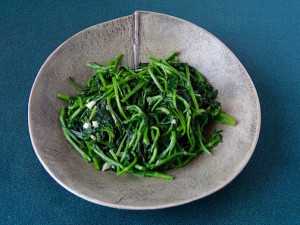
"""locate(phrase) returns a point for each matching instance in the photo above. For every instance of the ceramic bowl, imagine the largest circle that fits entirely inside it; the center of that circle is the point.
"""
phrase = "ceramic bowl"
(137, 36)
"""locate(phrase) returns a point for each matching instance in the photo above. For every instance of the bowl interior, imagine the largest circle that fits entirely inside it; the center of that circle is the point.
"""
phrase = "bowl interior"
(137, 36)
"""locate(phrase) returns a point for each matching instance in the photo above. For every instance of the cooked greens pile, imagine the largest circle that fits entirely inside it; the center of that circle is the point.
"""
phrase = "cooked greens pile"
(145, 120)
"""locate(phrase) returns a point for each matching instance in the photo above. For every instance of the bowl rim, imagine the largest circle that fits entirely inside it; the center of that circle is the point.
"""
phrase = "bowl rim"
(172, 204)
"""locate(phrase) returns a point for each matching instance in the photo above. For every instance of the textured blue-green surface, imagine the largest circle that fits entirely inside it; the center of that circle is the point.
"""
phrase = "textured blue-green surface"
(264, 35)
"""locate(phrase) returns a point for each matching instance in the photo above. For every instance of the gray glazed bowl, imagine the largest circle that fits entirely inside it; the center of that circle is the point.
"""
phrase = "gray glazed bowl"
(137, 36)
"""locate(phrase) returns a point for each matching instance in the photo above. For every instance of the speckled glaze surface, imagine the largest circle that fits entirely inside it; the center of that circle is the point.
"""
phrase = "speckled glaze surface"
(137, 36)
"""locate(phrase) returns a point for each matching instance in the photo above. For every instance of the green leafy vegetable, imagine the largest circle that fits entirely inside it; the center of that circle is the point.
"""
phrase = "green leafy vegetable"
(142, 121)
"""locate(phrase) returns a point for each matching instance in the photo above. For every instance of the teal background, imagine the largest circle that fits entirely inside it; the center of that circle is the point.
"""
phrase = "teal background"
(264, 35)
